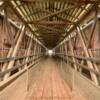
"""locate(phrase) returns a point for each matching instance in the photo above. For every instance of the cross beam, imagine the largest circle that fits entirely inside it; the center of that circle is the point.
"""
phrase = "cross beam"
(52, 29)
(50, 23)
(47, 11)
(58, 16)
(56, 13)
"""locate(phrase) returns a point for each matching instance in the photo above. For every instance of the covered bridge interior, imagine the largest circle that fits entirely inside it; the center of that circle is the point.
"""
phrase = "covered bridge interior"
(49, 49)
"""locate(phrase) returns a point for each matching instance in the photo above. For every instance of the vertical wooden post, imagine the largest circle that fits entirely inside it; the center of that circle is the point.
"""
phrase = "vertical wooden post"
(35, 51)
(62, 51)
(95, 66)
(73, 80)
(66, 52)
(72, 52)
(38, 50)
(28, 52)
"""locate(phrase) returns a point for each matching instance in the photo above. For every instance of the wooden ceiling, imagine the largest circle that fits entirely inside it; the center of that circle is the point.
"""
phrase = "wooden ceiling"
(51, 20)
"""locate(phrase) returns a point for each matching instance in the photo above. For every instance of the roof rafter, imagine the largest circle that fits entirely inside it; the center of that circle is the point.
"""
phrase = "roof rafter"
(51, 23)
(55, 13)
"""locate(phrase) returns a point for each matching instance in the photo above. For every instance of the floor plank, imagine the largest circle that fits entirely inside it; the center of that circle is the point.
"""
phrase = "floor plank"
(50, 84)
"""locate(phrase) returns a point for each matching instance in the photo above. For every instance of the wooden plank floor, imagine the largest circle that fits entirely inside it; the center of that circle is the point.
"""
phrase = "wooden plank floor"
(49, 84)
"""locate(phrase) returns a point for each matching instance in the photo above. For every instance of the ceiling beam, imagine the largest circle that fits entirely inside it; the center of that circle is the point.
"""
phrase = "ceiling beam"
(52, 29)
(56, 13)
(51, 23)
(49, 12)
(24, 22)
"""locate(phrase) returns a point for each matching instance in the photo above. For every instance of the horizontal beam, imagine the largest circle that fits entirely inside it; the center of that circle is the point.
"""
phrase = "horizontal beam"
(50, 23)
(16, 67)
(5, 83)
(94, 59)
(2, 60)
(52, 29)
(82, 66)
(56, 13)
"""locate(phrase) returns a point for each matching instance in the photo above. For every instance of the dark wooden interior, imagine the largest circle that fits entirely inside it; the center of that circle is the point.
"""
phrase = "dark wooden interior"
(49, 49)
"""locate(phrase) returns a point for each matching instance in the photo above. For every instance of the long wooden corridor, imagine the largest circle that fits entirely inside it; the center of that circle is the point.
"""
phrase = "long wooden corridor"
(49, 49)
(49, 83)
